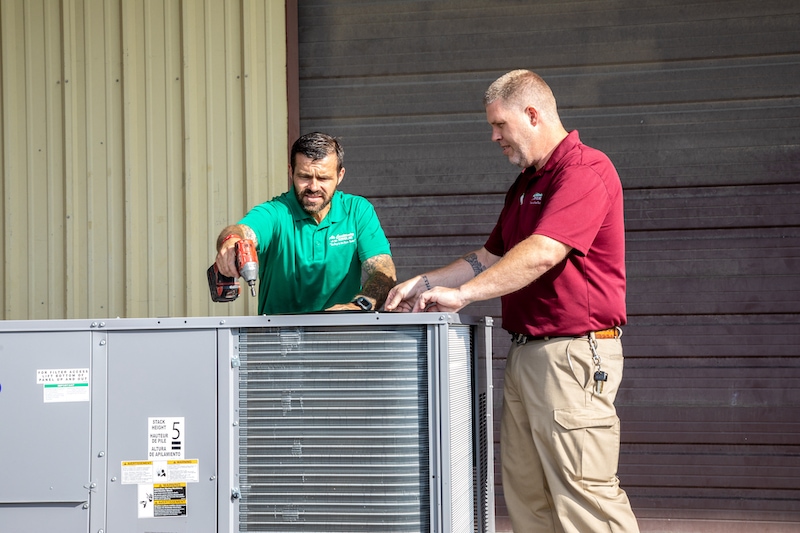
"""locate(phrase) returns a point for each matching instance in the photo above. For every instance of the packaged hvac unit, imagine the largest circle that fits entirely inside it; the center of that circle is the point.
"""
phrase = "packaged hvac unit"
(325, 423)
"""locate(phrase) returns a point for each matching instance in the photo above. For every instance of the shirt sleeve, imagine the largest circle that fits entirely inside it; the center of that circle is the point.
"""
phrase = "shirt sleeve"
(371, 239)
(261, 219)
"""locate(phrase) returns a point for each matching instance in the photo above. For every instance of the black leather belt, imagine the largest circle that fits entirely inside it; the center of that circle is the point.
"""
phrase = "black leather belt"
(610, 333)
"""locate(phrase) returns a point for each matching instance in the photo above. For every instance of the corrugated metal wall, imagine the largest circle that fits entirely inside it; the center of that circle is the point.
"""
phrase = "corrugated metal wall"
(132, 132)
(698, 104)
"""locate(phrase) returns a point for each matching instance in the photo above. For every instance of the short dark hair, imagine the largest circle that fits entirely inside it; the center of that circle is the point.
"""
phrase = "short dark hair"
(316, 146)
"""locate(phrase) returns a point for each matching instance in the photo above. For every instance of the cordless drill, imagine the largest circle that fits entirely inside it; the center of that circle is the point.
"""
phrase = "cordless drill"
(226, 289)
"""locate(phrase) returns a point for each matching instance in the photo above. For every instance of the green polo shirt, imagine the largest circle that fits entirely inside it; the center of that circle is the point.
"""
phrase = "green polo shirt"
(307, 267)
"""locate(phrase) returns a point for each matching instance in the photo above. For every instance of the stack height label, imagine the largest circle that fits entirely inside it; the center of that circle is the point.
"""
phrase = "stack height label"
(166, 438)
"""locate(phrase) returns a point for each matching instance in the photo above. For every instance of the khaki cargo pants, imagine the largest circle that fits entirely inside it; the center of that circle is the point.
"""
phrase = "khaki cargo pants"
(560, 440)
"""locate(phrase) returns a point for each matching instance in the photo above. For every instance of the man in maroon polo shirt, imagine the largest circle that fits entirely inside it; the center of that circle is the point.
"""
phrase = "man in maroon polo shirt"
(557, 259)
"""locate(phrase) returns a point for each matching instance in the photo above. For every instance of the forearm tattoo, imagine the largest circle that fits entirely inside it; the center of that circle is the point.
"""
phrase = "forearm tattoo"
(240, 230)
(477, 266)
(249, 233)
(381, 277)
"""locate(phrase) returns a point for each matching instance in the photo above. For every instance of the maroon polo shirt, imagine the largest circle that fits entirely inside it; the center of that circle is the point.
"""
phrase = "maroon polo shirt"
(576, 199)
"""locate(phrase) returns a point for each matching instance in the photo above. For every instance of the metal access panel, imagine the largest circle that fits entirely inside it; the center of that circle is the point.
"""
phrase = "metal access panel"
(307, 423)
(44, 430)
(161, 430)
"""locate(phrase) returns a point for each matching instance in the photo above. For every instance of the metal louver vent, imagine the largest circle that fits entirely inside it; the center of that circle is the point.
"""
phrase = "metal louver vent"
(460, 420)
(334, 432)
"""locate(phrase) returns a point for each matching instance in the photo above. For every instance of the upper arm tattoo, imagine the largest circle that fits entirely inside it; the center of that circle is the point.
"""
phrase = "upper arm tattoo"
(477, 266)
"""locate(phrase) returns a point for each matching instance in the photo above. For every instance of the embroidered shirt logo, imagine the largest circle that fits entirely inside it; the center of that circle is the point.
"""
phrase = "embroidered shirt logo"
(342, 238)
(536, 199)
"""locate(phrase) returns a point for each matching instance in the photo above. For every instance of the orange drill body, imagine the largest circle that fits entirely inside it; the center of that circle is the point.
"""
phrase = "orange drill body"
(247, 263)
(226, 289)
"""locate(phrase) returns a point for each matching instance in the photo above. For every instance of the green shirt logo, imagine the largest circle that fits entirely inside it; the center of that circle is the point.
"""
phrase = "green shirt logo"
(342, 238)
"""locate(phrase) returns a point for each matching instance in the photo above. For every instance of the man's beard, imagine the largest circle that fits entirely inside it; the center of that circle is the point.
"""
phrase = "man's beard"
(517, 158)
(312, 208)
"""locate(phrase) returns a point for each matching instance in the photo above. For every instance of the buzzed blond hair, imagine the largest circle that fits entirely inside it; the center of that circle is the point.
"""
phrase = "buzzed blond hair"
(524, 88)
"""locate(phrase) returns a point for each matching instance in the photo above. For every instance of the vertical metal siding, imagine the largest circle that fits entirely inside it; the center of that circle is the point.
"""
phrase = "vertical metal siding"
(132, 132)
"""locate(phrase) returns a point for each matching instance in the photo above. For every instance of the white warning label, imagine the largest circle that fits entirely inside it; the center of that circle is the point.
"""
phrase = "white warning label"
(162, 500)
(149, 472)
(64, 384)
(166, 438)
(183, 470)
(169, 499)
(137, 472)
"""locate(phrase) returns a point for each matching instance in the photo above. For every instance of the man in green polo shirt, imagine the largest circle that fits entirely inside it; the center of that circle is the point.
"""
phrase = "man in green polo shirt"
(314, 241)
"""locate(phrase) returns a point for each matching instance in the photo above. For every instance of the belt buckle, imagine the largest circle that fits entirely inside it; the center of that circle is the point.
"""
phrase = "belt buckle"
(519, 338)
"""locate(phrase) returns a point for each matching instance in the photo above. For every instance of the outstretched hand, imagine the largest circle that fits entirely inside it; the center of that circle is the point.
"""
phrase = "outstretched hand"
(226, 258)
(403, 295)
(412, 296)
(440, 300)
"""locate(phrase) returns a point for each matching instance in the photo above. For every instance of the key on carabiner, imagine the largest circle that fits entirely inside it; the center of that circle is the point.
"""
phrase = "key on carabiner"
(600, 378)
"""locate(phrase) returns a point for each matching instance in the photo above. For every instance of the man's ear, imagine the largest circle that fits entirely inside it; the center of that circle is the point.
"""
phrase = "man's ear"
(533, 115)
(341, 176)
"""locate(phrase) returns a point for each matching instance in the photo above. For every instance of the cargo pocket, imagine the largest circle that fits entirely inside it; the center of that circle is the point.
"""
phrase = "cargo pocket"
(587, 443)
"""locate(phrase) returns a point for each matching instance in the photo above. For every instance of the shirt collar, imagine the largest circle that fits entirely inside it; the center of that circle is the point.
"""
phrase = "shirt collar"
(564, 147)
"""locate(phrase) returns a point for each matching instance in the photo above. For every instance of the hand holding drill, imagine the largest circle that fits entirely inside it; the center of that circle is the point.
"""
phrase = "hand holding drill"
(233, 260)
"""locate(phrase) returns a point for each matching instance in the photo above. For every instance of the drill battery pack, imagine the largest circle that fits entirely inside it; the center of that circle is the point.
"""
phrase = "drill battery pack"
(223, 288)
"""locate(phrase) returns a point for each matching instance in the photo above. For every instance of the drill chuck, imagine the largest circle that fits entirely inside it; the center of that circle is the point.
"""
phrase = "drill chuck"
(249, 272)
